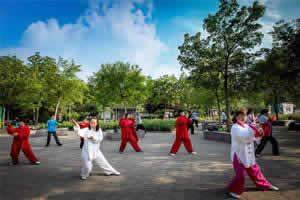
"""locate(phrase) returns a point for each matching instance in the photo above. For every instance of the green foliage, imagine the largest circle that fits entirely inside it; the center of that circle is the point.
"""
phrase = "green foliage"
(289, 117)
(159, 124)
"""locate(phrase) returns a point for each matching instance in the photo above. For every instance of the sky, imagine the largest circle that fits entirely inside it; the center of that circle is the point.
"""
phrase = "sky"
(95, 32)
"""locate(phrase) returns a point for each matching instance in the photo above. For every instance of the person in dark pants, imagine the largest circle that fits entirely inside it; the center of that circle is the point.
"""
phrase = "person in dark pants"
(266, 123)
(140, 123)
(52, 123)
(190, 126)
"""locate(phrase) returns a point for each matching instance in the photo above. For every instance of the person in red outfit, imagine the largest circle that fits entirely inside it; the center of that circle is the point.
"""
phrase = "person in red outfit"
(133, 127)
(182, 135)
(82, 125)
(126, 125)
(21, 135)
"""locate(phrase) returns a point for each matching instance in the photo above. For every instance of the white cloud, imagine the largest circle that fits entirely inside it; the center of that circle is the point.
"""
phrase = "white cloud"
(106, 32)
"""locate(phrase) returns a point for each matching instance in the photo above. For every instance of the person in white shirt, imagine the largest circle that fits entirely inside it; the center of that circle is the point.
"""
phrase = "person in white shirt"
(223, 116)
(140, 123)
(91, 149)
(243, 158)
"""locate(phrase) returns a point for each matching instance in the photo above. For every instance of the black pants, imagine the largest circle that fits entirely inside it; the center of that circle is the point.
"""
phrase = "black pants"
(81, 142)
(264, 140)
(140, 126)
(195, 121)
(55, 137)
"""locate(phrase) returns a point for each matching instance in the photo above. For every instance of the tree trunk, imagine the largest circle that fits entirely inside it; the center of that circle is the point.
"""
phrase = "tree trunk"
(57, 106)
(219, 107)
(37, 116)
(226, 95)
(275, 106)
(3, 116)
(7, 113)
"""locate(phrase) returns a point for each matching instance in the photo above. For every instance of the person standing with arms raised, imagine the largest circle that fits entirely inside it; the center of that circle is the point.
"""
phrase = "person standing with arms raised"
(182, 135)
(52, 123)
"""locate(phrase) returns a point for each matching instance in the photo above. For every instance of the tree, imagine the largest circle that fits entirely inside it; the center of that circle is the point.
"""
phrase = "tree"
(11, 71)
(234, 30)
(204, 62)
(118, 83)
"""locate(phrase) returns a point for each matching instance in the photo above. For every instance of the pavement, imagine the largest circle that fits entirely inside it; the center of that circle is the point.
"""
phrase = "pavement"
(152, 175)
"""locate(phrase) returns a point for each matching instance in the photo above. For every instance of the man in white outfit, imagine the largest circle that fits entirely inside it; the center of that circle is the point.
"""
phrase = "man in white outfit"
(91, 149)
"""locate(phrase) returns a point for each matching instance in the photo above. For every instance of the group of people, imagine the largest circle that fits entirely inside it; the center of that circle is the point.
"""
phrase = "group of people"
(246, 131)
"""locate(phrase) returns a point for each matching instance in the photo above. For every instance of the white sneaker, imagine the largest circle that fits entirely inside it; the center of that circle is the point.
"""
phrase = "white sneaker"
(274, 188)
(234, 195)
(172, 155)
(82, 177)
(37, 163)
(114, 173)
(193, 153)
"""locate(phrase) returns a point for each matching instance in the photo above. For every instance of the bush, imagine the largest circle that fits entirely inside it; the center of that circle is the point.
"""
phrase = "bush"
(159, 124)
(289, 117)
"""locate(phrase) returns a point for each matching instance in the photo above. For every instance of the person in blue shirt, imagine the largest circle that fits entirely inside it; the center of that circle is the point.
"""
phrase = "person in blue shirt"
(52, 123)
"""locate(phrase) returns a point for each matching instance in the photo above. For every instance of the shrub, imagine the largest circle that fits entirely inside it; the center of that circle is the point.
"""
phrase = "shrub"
(289, 117)
(159, 124)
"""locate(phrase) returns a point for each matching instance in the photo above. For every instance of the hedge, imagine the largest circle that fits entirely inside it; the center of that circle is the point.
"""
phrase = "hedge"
(289, 117)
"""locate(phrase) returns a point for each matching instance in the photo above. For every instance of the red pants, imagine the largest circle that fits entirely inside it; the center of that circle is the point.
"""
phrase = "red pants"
(187, 143)
(132, 142)
(237, 184)
(15, 150)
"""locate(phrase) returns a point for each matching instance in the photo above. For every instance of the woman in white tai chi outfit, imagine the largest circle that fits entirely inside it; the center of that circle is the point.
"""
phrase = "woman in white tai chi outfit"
(91, 149)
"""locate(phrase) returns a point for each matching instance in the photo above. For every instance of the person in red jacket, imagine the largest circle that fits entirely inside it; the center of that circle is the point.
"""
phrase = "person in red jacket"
(126, 125)
(133, 127)
(182, 135)
(21, 135)
(82, 125)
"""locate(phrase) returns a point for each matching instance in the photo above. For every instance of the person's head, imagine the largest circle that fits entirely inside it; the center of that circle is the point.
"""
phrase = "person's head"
(53, 117)
(85, 121)
(239, 116)
(126, 116)
(181, 113)
(94, 124)
(21, 123)
(265, 112)
(250, 111)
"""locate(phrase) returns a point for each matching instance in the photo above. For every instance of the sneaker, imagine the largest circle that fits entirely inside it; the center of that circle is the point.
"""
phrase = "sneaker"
(274, 188)
(234, 195)
(82, 177)
(60, 144)
(257, 155)
(193, 153)
(140, 150)
(114, 173)
(172, 155)
(37, 163)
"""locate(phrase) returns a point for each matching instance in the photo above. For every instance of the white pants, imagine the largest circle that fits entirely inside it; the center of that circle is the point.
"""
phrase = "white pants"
(100, 161)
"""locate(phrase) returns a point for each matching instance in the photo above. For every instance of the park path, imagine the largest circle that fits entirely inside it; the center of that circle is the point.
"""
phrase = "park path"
(149, 175)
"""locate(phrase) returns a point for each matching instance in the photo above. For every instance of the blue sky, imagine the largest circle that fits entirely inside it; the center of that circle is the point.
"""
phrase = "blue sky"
(93, 32)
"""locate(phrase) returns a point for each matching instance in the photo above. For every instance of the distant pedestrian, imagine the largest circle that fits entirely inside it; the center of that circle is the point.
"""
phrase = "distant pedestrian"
(52, 123)
(224, 118)
(140, 123)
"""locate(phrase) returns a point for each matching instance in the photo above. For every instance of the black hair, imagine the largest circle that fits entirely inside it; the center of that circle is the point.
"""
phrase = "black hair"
(180, 111)
(264, 111)
(250, 111)
(97, 127)
(237, 113)
(126, 115)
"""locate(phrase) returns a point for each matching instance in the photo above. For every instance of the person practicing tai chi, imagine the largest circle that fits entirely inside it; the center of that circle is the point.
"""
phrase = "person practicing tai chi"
(82, 125)
(52, 123)
(90, 153)
(134, 133)
(127, 134)
(242, 156)
(182, 135)
(21, 141)
(266, 123)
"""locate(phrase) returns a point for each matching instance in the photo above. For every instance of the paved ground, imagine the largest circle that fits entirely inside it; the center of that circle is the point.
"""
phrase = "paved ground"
(149, 175)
